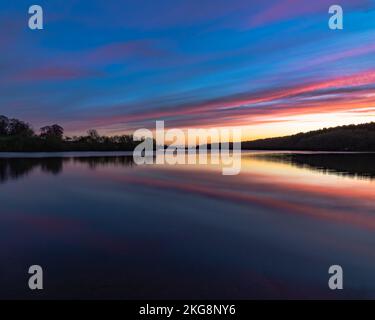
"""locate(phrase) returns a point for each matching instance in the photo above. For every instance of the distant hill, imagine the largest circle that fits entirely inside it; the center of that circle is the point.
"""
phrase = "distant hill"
(345, 138)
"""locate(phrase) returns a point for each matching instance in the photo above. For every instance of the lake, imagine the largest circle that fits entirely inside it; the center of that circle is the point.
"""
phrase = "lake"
(103, 227)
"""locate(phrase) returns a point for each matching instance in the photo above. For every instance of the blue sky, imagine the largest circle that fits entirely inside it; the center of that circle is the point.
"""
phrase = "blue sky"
(271, 67)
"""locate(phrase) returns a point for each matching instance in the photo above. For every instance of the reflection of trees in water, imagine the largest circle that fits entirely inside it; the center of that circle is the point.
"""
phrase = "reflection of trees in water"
(345, 164)
(53, 165)
(15, 168)
(94, 162)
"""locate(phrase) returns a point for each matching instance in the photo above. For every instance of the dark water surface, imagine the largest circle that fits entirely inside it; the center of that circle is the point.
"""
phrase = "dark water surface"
(103, 227)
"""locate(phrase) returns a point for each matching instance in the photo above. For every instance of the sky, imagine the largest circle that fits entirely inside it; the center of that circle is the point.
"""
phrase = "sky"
(270, 67)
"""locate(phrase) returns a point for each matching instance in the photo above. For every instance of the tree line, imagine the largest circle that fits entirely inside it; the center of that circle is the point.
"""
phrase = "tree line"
(344, 138)
(19, 136)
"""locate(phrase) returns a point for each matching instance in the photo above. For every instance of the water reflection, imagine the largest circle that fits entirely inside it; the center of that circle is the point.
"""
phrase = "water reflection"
(94, 162)
(342, 164)
(16, 168)
(105, 228)
(359, 165)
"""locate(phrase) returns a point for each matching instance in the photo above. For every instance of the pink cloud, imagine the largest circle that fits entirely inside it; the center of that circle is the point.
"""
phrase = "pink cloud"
(253, 107)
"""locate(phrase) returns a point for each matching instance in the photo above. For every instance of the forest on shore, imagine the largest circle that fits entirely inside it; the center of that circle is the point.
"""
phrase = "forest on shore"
(359, 138)
(18, 136)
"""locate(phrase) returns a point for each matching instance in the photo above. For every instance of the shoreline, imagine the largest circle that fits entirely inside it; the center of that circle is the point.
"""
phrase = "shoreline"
(70, 154)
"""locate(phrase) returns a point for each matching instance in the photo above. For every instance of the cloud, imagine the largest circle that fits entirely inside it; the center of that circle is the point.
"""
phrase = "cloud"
(337, 94)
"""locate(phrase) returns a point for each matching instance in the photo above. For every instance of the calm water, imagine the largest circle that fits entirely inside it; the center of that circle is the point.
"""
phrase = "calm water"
(102, 227)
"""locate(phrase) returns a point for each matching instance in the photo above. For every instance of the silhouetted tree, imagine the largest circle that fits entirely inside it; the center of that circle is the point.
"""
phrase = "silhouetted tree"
(93, 135)
(55, 131)
(19, 128)
(4, 122)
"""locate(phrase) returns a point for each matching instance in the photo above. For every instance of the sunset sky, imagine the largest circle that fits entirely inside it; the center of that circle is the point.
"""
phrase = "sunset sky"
(271, 67)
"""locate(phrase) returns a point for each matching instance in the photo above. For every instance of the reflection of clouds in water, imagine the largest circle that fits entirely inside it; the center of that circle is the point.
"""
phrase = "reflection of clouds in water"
(236, 228)
(277, 195)
(262, 183)
(351, 165)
